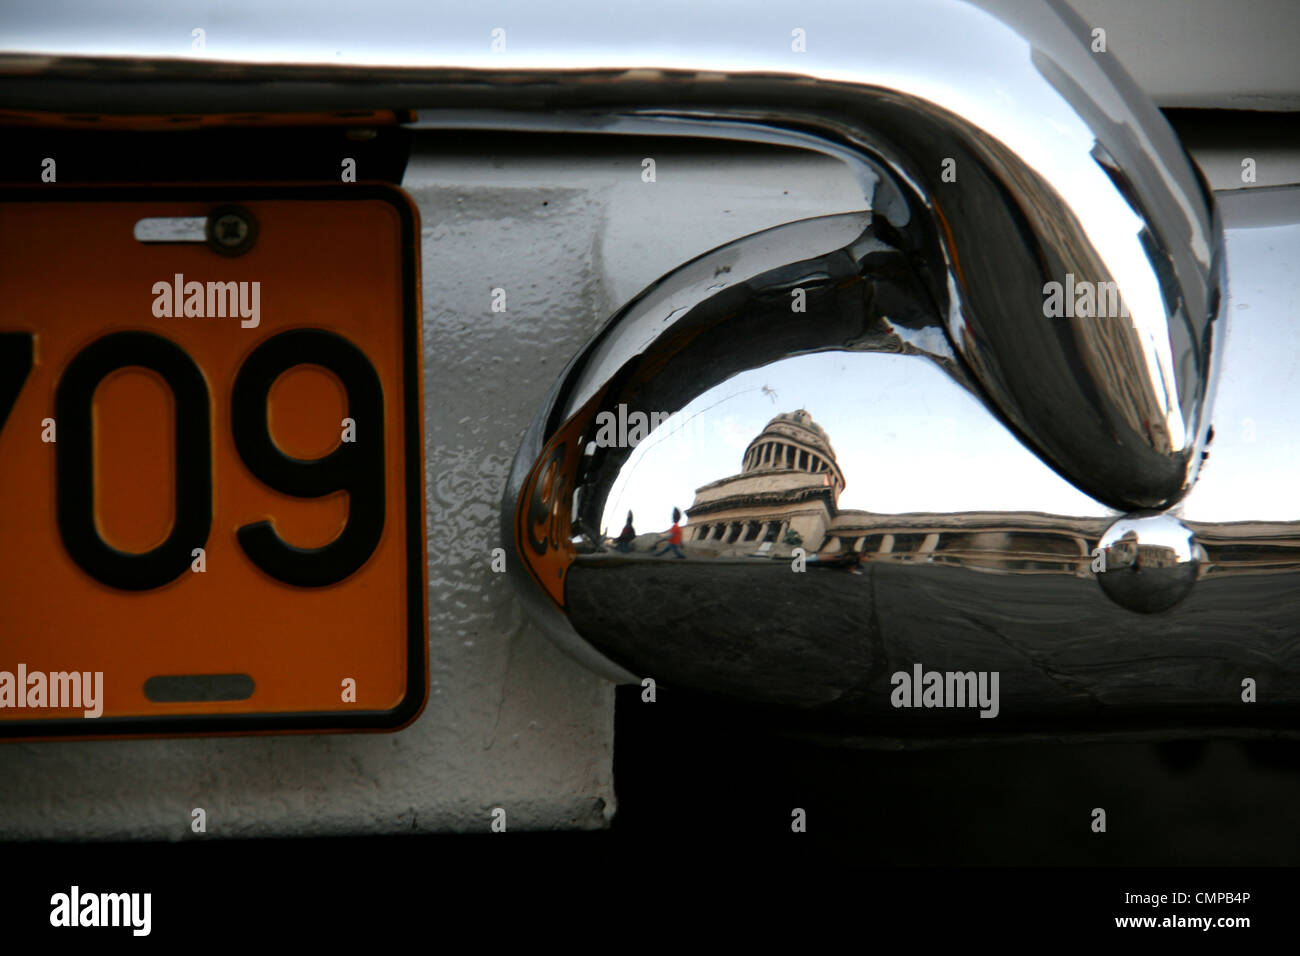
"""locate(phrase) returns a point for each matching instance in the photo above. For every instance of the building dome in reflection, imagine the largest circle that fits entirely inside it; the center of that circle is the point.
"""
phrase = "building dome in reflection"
(787, 492)
(792, 440)
(786, 496)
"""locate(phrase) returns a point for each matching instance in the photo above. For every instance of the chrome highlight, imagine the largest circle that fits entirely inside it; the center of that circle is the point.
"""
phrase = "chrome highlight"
(1148, 563)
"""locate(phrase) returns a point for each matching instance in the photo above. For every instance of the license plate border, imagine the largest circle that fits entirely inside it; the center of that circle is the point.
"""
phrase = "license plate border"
(412, 396)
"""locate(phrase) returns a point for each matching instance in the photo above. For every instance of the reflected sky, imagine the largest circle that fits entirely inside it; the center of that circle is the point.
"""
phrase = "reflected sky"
(906, 437)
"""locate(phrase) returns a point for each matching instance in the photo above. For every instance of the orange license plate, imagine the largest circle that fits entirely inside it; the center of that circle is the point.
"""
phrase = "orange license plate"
(211, 465)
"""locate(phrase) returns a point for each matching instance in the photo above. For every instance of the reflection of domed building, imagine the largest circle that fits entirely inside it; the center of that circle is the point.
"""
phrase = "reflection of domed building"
(789, 482)
(787, 495)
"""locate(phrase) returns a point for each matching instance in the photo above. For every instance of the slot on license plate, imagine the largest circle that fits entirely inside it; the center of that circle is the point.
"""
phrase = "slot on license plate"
(211, 461)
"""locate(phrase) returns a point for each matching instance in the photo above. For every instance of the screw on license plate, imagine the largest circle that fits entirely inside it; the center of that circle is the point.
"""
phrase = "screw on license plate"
(231, 230)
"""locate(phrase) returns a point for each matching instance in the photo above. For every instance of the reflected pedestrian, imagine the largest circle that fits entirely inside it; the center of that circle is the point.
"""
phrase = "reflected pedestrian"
(674, 537)
(624, 540)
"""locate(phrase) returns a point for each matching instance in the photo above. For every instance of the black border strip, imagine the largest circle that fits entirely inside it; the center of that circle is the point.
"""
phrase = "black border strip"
(417, 682)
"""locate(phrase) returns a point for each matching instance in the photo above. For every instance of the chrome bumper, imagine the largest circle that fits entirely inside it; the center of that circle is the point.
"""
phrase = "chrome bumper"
(984, 183)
